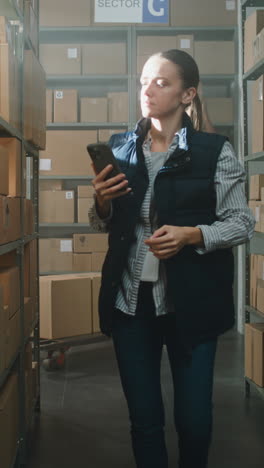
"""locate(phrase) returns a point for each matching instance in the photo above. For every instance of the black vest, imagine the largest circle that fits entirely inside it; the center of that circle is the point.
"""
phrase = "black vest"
(199, 287)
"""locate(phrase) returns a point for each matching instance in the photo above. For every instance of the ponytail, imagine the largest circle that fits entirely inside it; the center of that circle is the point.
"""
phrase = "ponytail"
(196, 113)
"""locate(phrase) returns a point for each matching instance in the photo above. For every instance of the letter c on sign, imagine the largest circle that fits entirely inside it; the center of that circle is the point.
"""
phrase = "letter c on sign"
(154, 12)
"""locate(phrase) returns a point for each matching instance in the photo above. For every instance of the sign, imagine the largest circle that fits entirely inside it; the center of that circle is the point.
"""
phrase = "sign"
(131, 11)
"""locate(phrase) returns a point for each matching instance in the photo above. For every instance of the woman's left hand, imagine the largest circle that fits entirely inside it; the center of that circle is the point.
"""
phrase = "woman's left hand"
(167, 241)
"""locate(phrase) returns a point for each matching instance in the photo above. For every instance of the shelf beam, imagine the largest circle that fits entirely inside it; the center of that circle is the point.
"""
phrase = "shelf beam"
(252, 3)
(86, 125)
(252, 310)
(5, 248)
(255, 72)
(254, 385)
(255, 157)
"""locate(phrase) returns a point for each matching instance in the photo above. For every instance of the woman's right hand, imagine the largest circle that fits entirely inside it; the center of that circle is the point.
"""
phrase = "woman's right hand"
(107, 190)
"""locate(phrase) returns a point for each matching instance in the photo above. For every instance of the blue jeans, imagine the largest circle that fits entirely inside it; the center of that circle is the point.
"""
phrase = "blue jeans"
(138, 342)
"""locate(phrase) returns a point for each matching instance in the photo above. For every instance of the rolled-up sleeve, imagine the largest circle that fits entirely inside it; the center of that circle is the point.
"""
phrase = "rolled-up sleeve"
(235, 224)
(97, 223)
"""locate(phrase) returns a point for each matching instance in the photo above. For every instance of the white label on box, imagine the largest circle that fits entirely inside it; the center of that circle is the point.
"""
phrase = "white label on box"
(66, 245)
(230, 5)
(257, 213)
(185, 44)
(45, 164)
(69, 195)
(260, 92)
(72, 53)
(59, 94)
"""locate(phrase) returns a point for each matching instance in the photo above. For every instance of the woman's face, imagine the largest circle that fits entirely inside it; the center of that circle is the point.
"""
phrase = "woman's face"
(162, 92)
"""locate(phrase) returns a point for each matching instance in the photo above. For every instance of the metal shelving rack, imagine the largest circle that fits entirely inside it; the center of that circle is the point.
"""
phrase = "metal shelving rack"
(254, 164)
(10, 9)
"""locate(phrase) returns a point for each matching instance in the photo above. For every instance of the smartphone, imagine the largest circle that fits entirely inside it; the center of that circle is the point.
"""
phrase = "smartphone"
(102, 155)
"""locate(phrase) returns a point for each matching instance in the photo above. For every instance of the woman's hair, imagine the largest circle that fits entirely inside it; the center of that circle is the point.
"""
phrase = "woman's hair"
(189, 73)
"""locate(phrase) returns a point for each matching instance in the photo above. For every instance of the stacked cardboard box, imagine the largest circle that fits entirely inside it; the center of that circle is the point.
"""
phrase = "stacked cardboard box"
(95, 245)
(254, 352)
(104, 135)
(63, 294)
(9, 420)
(258, 115)
(85, 202)
(256, 202)
(203, 13)
(253, 26)
(34, 101)
(55, 255)
(63, 13)
(149, 45)
(9, 77)
(256, 274)
(66, 153)
(220, 110)
(65, 105)
(56, 206)
(94, 109)
(61, 59)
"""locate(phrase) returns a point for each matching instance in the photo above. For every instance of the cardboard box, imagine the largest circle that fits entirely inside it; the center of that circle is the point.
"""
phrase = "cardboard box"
(255, 206)
(56, 207)
(256, 273)
(258, 115)
(9, 81)
(215, 57)
(55, 255)
(255, 186)
(258, 47)
(220, 110)
(65, 306)
(29, 225)
(4, 170)
(85, 191)
(87, 243)
(13, 338)
(10, 224)
(254, 352)
(84, 205)
(149, 45)
(104, 134)
(9, 420)
(98, 259)
(118, 107)
(49, 106)
(94, 109)
(61, 59)
(28, 315)
(252, 27)
(96, 285)
(66, 153)
(260, 294)
(13, 147)
(9, 281)
(31, 271)
(82, 262)
(203, 13)
(65, 105)
(34, 101)
(65, 13)
(104, 58)
(50, 185)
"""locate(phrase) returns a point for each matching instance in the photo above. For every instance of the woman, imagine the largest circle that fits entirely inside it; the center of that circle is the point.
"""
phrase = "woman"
(173, 216)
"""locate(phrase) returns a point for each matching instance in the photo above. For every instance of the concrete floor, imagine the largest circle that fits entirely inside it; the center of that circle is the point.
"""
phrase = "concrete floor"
(84, 420)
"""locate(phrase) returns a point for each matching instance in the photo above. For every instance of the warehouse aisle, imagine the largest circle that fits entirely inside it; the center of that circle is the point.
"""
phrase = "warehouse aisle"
(84, 416)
